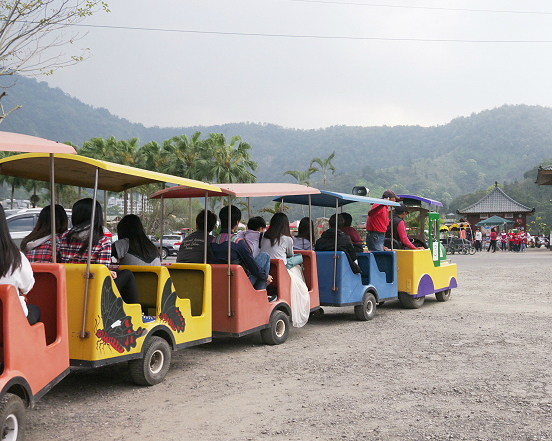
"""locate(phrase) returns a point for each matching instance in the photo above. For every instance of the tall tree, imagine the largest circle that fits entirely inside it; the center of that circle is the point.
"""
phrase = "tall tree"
(33, 32)
(325, 166)
(186, 156)
(302, 177)
(231, 162)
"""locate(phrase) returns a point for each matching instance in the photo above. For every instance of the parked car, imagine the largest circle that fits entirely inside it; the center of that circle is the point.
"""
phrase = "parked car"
(171, 244)
(21, 223)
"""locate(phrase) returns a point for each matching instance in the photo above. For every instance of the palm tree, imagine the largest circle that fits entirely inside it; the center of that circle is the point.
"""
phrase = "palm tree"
(186, 156)
(127, 153)
(230, 162)
(325, 166)
(302, 177)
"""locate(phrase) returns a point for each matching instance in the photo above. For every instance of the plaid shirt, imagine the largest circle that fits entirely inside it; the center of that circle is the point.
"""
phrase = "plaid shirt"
(69, 250)
(43, 252)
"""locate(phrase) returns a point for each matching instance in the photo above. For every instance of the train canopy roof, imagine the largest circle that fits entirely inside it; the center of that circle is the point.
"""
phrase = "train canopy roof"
(418, 201)
(79, 171)
(238, 190)
(331, 198)
(15, 142)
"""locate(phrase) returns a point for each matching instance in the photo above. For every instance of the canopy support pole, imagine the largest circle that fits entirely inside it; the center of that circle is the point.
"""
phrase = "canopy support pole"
(392, 228)
(52, 209)
(205, 232)
(334, 287)
(162, 221)
(87, 275)
(310, 224)
(229, 271)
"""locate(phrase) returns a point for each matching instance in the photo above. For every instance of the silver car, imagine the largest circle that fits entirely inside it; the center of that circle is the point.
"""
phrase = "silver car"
(171, 244)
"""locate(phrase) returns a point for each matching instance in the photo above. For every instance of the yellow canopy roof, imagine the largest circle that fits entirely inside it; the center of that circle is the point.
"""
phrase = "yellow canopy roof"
(80, 171)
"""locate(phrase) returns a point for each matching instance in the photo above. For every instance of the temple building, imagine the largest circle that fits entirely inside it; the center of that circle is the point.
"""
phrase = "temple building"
(497, 203)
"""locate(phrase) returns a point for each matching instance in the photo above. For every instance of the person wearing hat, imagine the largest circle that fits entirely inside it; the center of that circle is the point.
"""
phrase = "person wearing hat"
(378, 221)
(399, 229)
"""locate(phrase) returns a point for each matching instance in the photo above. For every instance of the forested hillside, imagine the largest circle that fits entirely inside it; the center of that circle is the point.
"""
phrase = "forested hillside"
(442, 162)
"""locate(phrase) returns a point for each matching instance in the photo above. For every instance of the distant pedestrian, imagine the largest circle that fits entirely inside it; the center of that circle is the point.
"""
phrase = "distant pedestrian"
(478, 240)
(492, 245)
(503, 240)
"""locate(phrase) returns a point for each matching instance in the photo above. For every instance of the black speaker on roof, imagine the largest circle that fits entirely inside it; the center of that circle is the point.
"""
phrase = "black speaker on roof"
(360, 191)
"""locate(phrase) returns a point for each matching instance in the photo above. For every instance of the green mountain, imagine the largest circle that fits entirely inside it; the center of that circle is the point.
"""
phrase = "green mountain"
(441, 162)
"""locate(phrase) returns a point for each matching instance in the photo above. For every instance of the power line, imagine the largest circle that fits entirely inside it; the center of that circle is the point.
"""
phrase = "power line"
(433, 8)
(319, 37)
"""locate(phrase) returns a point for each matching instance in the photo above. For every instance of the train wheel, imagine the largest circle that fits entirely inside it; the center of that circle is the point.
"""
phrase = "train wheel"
(277, 332)
(12, 412)
(317, 313)
(151, 369)
(366, 311)
(409, 302)
(443, 296)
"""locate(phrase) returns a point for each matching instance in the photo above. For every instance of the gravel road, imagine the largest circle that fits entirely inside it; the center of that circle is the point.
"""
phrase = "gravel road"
(477, 367)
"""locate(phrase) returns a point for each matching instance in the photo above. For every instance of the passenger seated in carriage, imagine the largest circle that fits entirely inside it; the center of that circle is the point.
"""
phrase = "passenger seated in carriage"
(278, 243)
(344, 243)
(257, 268)
(73, 248)
(133, 246)
(37, 246)
(256, 227)
(16, 270)
(301, 241)
(192, 247)
(351, 232)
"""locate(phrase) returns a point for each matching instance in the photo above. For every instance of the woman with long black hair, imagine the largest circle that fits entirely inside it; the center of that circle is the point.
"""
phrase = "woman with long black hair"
(37, 246)
(278, 243)
(74, 247)
(133, 246)
(16, 270)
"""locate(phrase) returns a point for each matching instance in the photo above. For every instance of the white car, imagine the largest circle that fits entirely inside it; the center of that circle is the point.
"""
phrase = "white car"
(21, 223)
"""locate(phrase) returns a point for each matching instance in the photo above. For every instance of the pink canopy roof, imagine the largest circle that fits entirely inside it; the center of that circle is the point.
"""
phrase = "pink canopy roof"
(238, 190)
(15, 142)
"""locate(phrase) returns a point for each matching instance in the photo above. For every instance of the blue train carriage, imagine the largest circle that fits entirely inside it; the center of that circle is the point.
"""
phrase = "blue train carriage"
(102, 328)
(337, 284)
(422, 273)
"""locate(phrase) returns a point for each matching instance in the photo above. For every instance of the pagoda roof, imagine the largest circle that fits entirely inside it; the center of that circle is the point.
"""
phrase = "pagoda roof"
(496, 201)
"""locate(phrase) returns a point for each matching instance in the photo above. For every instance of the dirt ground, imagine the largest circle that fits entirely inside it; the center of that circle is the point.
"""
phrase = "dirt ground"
(477, 367)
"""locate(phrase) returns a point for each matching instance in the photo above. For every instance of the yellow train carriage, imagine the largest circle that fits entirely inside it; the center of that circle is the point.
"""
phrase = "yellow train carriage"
(113, 330)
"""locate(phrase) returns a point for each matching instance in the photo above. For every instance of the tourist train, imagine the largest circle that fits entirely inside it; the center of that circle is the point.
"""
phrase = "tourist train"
(85, 322)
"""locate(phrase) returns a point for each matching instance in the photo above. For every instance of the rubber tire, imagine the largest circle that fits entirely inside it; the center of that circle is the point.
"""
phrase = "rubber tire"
(409, 302)
(152, 368)
(12, 412)
(443, 296)
(278, 330)
(164, 253)
(366, 311)
(317, 313)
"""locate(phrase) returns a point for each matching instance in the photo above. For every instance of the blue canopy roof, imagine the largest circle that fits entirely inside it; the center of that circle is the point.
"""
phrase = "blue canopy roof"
(329, 199)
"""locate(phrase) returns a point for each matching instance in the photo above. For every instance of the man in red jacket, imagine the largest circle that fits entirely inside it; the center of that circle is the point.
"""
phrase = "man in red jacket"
(378, 221)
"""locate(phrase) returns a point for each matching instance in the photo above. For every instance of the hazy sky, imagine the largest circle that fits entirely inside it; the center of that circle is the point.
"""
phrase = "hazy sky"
(368, 78)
